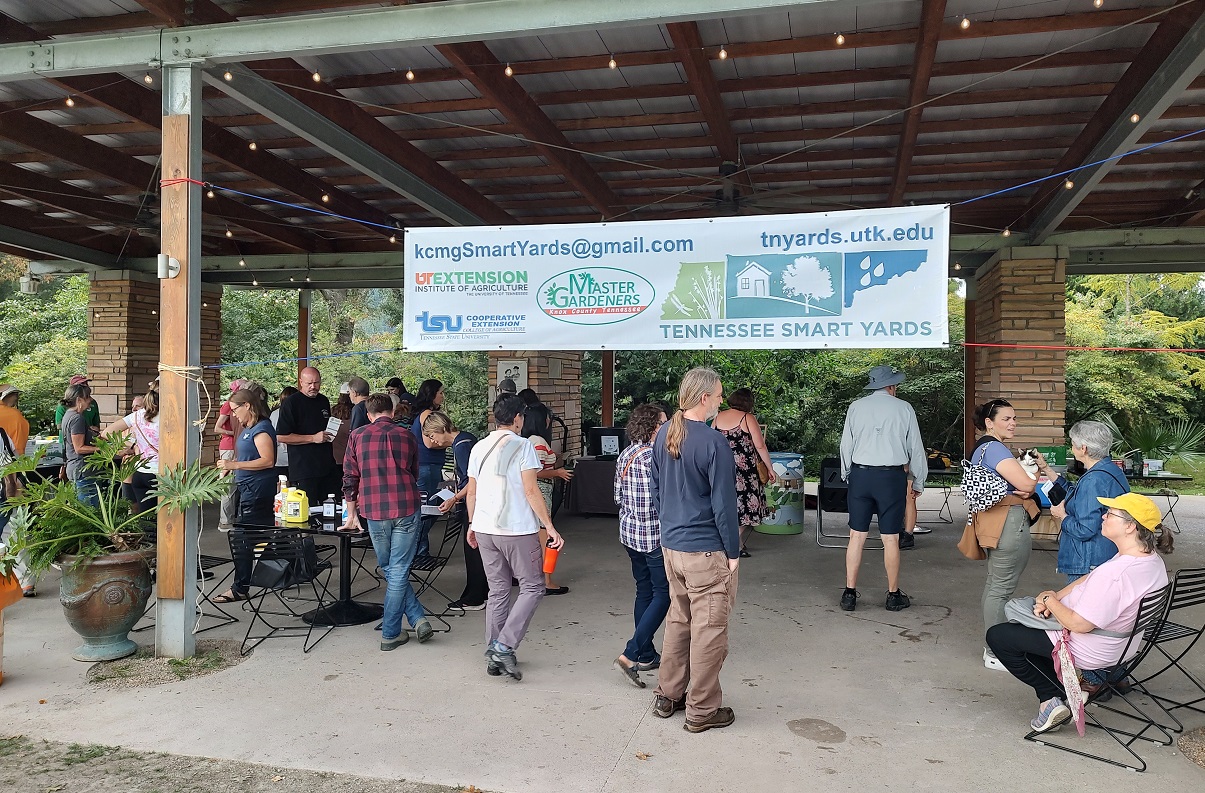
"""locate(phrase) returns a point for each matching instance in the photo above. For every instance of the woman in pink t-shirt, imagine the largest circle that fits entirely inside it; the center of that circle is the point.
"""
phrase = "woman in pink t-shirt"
(1107, 598)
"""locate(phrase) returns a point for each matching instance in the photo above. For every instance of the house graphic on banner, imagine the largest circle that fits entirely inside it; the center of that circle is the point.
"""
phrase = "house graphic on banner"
(753, 281)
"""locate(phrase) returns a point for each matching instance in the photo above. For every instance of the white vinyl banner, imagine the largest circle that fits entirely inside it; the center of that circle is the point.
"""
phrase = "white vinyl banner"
(866, 278)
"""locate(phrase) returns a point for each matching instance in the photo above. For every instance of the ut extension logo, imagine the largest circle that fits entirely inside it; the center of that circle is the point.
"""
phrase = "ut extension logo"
(440, 323)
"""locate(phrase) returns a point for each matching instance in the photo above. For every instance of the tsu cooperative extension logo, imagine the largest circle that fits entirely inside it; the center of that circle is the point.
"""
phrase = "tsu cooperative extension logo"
(595, 295)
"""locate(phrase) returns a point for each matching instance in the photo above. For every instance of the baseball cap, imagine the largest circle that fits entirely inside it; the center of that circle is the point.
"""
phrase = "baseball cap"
(8, 389)
(235, 385)
(1141, 508)
(507, 386)
(78, 379)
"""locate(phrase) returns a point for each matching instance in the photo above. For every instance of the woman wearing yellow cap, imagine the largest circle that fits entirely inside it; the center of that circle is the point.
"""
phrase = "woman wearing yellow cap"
(1106, 598)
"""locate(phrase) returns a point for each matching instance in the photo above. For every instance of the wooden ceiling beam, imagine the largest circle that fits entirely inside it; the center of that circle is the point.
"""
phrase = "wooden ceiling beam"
(931, 15)
(702, 80)
(480, 67)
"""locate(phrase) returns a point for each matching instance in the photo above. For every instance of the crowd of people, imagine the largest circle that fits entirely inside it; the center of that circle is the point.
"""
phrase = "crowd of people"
(690, 487)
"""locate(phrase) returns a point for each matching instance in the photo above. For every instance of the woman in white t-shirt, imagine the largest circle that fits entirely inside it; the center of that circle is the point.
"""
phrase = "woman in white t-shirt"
(1107, 598)
(142, 427)
(537, 421)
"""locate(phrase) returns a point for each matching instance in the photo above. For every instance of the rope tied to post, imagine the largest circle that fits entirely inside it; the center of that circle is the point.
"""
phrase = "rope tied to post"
(194, 374)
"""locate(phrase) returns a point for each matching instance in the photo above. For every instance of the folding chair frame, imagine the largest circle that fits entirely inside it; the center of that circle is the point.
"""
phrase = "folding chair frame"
(828, 492)
(426, 569)
(1151, 612)
(1188, 590)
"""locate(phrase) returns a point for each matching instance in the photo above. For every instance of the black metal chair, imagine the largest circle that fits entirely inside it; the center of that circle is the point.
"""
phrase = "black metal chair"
(1188, 590)
(832, 495)
(426, 569)
(283, 559)
(207, 609)
(1152, 610)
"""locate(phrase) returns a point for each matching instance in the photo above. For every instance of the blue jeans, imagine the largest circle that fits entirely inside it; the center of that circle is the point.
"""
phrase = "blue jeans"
(395, 542)
(429, 477)
(652, 603)
(86, 491)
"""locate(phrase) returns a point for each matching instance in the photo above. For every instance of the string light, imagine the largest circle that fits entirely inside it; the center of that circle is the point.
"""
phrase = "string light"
(965, 23)
(611, 64)
(204, 305)
(393, 238)
(146, 78)
(153, 312)
(1068, 184)
(209, 193)
(1006, 233)
(292, 279)
(316, 77)
(254, 282)
(723, 53)
(326, 199)
(227, 76)
(1098, 3)
(242, 262)
(229, 234)
(957, 265)
(307, 279)
(509, 72)
(253, 145)
(409, 74)
(840, 39)
(70, 101)
(1135, 118)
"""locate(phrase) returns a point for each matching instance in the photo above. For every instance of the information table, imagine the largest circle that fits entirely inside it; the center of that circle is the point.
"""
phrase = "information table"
(1153, 487)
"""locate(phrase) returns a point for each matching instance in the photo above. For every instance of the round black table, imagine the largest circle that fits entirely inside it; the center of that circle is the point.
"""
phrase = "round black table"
(345, 610)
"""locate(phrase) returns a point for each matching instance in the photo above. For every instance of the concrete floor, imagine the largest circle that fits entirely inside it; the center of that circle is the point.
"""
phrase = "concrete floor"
(825, 700)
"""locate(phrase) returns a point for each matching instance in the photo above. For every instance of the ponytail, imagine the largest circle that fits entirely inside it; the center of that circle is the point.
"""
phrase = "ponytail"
(675, 434)
(150, 405)
(696, 384)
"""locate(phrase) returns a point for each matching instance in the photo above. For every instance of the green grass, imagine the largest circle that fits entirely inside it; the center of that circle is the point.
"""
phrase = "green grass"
(78, 753)
(199, 664)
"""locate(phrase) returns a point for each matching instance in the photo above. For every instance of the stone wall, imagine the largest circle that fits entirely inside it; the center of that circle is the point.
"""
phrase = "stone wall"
(557, 378)
(1020, 299)
(123, 343)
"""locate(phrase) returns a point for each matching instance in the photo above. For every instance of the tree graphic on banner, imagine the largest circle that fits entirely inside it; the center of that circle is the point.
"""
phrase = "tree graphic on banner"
(806, 278)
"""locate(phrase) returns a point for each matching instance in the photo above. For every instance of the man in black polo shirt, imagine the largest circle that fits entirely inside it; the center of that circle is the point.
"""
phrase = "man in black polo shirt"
(302, 426)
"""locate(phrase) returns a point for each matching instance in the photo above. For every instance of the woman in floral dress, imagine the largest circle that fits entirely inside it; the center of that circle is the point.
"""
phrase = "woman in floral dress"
(739, 426)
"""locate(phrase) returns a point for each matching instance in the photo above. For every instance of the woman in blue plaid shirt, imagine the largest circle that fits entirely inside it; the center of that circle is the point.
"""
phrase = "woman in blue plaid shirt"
(640, 533)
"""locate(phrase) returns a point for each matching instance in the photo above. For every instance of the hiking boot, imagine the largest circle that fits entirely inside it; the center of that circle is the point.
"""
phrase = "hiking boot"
(907, 541)
(393, 644)
(898, 601)
(1051, 716)
(506, 662)
(664, 707)
(424, 631)
(849, 599)
(721, 718)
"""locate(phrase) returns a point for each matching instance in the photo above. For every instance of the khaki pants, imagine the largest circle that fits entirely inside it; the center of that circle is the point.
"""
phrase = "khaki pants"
(702, 592)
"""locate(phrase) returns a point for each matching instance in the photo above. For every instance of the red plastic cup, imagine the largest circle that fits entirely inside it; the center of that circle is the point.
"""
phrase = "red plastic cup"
(550, 556)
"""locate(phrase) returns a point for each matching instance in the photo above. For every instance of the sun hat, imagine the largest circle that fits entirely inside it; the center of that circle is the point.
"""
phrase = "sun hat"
(884, 376)
(78, 379)
(1141, 508)
(8, 389)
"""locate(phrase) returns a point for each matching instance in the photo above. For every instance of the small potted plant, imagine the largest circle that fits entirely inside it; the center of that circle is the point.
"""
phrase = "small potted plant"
(103, 551)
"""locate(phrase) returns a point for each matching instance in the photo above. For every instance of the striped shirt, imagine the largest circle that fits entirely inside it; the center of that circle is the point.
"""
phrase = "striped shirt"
(639, 527)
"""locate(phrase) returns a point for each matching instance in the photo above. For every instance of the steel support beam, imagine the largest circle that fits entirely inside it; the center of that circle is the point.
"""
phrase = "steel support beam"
(38, 245)
(375, 29)
(1167, 83)
(180, 347)
(264, 97)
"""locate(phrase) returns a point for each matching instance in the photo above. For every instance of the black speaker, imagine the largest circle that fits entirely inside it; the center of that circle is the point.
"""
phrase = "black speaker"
(833, 491)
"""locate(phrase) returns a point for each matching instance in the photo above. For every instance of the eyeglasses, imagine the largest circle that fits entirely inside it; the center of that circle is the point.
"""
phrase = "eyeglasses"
(237, 405)
(1120, 516)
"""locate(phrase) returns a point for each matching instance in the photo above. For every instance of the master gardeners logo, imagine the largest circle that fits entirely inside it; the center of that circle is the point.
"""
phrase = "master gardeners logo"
(595, 295)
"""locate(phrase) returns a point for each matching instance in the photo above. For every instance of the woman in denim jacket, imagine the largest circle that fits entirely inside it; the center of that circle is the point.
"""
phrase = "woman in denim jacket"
(1082, 547)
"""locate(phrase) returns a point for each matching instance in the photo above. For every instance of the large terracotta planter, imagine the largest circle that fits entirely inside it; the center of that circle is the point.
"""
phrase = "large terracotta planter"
(103, 599)
(10, 593)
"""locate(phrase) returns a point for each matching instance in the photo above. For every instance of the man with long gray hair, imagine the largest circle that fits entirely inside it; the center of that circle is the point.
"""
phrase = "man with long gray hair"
(693, 482)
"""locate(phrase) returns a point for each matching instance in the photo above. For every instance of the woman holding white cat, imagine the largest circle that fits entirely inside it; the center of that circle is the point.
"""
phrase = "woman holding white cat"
(1082, 546)
(1003, 530)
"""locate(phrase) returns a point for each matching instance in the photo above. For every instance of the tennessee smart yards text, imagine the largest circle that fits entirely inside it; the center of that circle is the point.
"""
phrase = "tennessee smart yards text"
(767, 330)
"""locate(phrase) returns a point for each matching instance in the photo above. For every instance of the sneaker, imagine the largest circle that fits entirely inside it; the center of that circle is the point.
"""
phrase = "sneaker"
(898, 601)
(629, 672)
(922, 530)
(991, 661)
(460, 604)
(849, 599)
(648, 666)
(664, 707)
(721, 718)
(28, 591)
(506, 662)
(424, 631)
(492, 669)
(1051, 716)
(907, 541)
(393, 644)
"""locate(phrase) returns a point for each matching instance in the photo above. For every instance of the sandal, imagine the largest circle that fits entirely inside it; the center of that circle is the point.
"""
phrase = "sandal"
(230, 596)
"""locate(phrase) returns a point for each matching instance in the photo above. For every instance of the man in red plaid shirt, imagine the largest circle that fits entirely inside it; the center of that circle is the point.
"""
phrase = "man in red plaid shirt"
(380, 474)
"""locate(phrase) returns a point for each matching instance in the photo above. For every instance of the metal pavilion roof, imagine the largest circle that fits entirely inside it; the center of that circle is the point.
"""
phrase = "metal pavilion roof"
(812, 122)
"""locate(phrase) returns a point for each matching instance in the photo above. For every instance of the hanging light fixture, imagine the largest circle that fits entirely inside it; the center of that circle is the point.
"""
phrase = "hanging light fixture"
(723, 53)
(70, 101)
(965, 23)
(611, 64)
(316, 77)
(509, 72)
(227, 76)
(409, 74)
(146, 78)
(840, 39)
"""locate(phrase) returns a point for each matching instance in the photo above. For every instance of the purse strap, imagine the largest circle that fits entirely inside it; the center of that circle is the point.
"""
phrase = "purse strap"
(628, 465)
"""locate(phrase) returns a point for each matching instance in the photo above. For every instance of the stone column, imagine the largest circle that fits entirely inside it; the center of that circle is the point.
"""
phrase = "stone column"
(1020, 299)
(557, 378)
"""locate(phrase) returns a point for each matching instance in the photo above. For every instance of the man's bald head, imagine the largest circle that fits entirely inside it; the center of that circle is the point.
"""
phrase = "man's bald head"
(309, 382)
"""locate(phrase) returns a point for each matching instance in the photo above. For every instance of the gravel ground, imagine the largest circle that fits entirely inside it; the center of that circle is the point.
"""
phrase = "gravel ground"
(1192, 745)
(32, 766)
(144, 669)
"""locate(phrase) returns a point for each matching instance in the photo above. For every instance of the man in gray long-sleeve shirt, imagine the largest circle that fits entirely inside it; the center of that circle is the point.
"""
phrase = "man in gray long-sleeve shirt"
(693, 478)
(880, 445)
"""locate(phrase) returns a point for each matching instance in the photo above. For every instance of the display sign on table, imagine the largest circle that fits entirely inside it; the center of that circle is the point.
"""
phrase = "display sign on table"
(866, 278)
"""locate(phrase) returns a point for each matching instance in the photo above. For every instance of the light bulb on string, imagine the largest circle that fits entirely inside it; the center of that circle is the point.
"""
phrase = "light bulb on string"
(393, 238)
(229, 233)
(840, 39)
(409, 74)
(253, 145)
(242, 262)
(1068, 184)
(146, 78)
(326, 199)
(1134, 119)
(316, 77)
(1006, 233)
(153, 312)
(1098, 3)
(227, 76)
(509, 72)
(209, 193)
(307, 279)
(70, 101)
(611, 64)
(965, 23)
(254, 282)
(723, 53)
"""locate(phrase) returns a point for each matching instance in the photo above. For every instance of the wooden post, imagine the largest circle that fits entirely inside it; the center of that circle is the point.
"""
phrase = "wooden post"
(179, 346)
(608, 388)
(305, 298)
(968, 371)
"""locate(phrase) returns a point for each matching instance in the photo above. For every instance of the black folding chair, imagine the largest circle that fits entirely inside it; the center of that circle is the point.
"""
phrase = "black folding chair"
(426, 569)
(832, 495)
(207, 609)
(1151, 611)
(1188, 590)
(360, 548)
(284, 558)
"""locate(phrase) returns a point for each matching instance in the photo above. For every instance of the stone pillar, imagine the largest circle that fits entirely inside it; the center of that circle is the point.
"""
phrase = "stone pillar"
(557, 378)
(123, 342)
(1020, 299)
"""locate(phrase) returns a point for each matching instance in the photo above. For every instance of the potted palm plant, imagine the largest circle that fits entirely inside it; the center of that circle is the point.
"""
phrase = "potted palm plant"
(102, 550)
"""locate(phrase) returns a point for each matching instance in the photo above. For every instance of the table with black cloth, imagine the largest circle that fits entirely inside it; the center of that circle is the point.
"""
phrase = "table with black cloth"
(592, 489)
